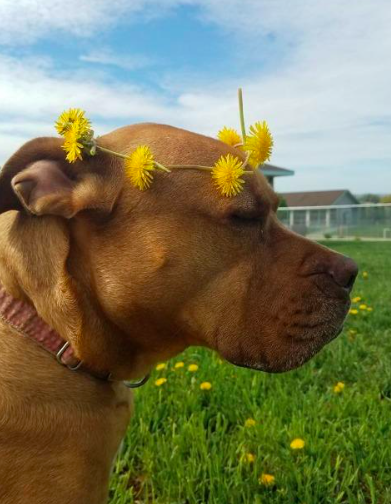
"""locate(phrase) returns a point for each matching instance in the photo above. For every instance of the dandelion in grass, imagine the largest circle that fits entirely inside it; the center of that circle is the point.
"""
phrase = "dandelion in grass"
(363, 307)
(369, 309)
(179, 365)
(193, 368)
(139, 167)
(353, 311)
(205, 385)
(227, 173)
(249, 458)
(356, 299)
(352, 332)
(229, 136)
(250, 422)
(297, 444)
(160, 381)
(338, 387)
(267, 479)
(161, 366)
(259, 143)
(365, 275)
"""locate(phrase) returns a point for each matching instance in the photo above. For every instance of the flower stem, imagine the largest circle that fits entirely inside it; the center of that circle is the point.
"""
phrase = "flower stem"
(241, 114)
(168, 168)
(162, 167)
(118, 154)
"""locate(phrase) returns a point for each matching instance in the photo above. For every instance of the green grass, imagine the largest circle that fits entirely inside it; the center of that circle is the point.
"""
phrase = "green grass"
(187, 446)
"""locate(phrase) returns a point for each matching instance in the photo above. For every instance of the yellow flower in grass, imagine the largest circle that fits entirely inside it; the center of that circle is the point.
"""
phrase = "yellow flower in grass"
(179, 365)
(205, 385)
(226, 174)
(229, 136)
(353, 311)
(297, 444)
(363, 307)
(68, 118)
(161, 366)
(250, 422)
(259, 143)
(267, 479)
(249, 458)
(365, 275)
(139, 167)
(338, 388)
(369, 309)
(193, 368)
(356, 299)
(160, 381)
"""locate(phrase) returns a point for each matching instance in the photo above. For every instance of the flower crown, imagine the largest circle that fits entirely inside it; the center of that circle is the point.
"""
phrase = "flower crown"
(140, 164)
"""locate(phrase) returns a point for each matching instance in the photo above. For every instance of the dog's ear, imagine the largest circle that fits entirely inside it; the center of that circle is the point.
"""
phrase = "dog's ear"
(38, 179)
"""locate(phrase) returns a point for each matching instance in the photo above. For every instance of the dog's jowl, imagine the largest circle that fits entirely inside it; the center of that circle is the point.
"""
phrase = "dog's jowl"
(111, 279)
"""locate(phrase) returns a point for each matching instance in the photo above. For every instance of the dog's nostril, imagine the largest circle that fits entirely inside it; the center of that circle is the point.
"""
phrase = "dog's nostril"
(344, 272)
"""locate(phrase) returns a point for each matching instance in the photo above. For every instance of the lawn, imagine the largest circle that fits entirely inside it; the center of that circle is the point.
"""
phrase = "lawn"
(186, 445)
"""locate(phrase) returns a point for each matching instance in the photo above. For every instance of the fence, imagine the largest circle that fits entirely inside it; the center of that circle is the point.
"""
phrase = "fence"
(366, 221)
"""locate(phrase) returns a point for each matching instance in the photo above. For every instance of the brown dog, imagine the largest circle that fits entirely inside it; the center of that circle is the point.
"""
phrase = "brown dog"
(130, 278)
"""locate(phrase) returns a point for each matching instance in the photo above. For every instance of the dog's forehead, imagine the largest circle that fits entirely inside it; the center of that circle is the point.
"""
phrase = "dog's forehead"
(188, 187)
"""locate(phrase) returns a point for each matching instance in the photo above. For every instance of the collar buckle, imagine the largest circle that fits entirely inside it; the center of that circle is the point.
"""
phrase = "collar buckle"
(61, 352)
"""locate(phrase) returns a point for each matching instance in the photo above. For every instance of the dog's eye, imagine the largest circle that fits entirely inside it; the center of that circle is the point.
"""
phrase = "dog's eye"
(245, 219)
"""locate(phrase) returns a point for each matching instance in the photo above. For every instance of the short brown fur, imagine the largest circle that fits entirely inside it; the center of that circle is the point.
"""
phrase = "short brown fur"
(131, 278)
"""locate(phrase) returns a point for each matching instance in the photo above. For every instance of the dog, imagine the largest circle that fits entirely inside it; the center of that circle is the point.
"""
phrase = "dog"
(128, 278)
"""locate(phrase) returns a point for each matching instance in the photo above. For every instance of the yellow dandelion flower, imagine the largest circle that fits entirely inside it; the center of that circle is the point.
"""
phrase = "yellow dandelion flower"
(249, 458)
(297, 444)
(338, 388)
(365, 275)
(363, 306)
(193, 368)
(68, 118)
(73, 145)
(259, 143)
(139, 166)
(226, 174)
(161, 366)
(356, 299)
(250, 422)
(160, 381)
(179, 365)
(352, 332)
(353, 311)
(267, 479)
(205, 385)
(229, 136)
(369, 309)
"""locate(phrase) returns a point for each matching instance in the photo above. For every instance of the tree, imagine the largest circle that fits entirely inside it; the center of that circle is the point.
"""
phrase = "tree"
(369, 198)
(386, 199)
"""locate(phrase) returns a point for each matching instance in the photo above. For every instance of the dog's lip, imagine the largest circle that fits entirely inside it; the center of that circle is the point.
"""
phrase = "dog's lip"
(267, 368)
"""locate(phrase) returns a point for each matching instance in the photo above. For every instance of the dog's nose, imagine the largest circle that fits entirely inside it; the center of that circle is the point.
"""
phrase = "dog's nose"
(343, 271)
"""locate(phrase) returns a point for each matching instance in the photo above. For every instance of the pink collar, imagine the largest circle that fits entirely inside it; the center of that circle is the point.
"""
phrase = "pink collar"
(25, 319)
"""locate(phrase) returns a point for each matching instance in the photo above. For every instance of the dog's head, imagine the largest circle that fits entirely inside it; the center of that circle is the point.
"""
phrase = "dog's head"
(133, 277)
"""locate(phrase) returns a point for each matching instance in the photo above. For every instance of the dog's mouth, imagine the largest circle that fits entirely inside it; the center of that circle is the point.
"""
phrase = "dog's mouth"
(295, 355)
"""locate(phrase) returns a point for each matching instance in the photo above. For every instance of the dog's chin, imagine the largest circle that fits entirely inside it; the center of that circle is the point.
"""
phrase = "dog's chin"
(299, 352)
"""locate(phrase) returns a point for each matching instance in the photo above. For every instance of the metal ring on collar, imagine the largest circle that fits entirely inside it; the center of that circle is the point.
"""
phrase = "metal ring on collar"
(59, 355)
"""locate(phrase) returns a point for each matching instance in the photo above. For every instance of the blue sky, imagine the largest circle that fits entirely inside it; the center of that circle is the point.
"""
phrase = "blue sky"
(318, 72)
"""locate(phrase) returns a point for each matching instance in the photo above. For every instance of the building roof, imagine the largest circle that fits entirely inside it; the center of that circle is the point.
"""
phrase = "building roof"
(316, 198)
(275, 171)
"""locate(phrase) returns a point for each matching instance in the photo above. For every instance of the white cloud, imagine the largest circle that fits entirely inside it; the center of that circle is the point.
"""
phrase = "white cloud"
(326, 98)
(106, 57)
(25, 21)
